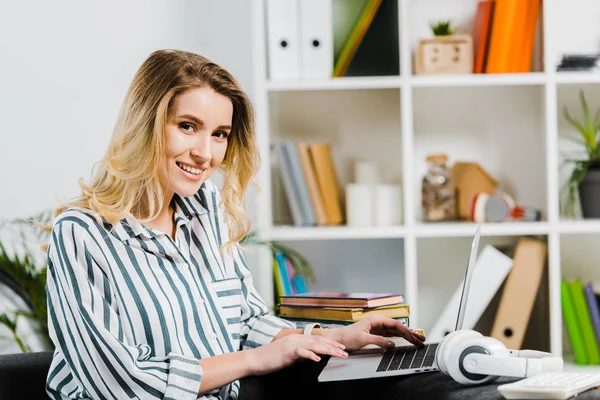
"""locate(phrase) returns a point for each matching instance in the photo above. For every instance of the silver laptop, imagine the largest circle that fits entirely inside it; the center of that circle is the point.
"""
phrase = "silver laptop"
(405, 358)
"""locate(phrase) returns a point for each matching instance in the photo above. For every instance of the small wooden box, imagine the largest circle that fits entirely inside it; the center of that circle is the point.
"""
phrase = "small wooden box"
(445, 55)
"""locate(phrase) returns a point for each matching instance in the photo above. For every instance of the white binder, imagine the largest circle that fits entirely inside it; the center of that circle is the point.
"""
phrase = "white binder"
(316, 37)
(283, 39)
(491, 269)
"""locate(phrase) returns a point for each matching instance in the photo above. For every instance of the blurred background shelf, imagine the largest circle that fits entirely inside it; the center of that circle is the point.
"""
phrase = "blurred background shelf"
(450, 229)
(342, 83)
(516, 79)
(508, 123)
(333, 233)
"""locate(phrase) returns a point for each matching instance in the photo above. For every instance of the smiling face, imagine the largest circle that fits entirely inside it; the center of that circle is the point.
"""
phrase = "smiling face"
(198, 126)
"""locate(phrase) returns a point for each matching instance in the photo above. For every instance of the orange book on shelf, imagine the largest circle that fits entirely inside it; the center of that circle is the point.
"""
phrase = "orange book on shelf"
(531, 23)
(516, 52)
(482, 27)
(503, 29)
(311, 181)
(328, 182)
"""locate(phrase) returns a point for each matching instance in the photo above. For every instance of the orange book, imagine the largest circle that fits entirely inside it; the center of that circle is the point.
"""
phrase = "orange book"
(533, 12)
(324, 168)
(515, 60)
(503, 30)
(311, 181)
(343, 314)
(482, 27)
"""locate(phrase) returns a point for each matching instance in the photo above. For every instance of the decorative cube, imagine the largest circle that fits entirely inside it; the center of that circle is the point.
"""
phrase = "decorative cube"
(445, 55)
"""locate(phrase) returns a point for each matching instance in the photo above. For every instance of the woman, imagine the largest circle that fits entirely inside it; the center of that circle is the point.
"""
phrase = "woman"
(148, 293)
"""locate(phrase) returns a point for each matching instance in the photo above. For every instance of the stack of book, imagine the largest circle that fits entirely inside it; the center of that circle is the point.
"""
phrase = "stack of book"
(336, 308)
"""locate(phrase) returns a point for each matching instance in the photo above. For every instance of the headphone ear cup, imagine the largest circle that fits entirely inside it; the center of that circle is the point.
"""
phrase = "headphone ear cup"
(452, 340)
(455, 358)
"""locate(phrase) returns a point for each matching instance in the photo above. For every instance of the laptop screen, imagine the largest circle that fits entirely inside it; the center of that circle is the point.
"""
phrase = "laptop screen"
(467, 282)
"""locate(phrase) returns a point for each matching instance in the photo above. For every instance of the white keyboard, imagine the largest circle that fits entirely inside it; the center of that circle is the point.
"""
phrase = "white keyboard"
(551, 385)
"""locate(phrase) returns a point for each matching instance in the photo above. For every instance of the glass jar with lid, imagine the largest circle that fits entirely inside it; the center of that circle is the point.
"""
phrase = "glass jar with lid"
(438, 194)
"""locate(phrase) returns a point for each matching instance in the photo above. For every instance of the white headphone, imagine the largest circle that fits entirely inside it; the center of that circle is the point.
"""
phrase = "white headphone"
(470, 358)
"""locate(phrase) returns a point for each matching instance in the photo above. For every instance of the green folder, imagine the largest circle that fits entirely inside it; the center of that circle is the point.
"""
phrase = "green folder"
(570, 320)
(585, 321)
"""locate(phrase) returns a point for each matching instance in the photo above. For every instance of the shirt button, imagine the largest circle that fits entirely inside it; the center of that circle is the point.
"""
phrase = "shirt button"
(200, 301)
(214, 335)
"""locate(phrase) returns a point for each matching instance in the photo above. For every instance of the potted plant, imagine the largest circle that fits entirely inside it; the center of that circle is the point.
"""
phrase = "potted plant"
(442, 28)
(584, 179)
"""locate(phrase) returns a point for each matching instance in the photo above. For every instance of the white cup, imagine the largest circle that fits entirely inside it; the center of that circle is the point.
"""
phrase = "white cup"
(359, 205)
(388, 205)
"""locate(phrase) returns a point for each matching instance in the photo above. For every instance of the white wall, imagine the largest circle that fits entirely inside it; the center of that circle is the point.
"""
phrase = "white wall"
(65, 66)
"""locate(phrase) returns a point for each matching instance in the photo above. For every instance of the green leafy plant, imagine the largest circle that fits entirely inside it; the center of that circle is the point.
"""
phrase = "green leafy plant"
(588, 139)
(28, 281)
(442, 28)
(300, 264)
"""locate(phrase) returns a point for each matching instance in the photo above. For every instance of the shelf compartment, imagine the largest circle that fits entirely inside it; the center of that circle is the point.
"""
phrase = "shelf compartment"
(501, 128)
(333, 233)
(456, 229)
(359, 125)
(337, 263)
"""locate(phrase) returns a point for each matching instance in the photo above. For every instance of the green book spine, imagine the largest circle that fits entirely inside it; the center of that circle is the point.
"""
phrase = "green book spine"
(585, 322)
(570, 317)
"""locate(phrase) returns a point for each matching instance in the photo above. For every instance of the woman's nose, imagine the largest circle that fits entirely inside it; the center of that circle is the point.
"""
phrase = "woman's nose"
(201, 150)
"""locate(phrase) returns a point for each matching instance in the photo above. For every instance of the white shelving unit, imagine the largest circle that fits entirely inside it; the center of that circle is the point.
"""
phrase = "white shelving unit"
(510, 123)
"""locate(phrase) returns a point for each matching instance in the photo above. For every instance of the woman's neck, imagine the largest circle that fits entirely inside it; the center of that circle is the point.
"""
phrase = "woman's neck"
(164, 222)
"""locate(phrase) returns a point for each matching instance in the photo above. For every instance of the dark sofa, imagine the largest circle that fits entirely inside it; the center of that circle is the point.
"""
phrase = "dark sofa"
(23, 376)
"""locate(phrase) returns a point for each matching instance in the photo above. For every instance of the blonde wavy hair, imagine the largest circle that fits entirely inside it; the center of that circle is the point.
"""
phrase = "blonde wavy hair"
(128, 177)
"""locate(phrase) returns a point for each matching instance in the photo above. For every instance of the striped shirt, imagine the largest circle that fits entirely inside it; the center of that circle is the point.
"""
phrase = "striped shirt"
(131, 311)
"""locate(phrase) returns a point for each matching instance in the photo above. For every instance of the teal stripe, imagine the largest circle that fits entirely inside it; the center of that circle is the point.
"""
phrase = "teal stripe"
(183, 281)
(82, 312)
(177, 335)
(213, 307)
(161, 315)
(64, 347)
(186, 374)
(235, 320)
(200, 248)
(119, 324)
(216, 256)
(134, 294)
(216, 219)
(228, 293)
(251, 305)
(107, 241)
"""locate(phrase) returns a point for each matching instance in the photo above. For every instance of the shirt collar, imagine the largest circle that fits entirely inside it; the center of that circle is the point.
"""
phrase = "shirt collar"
(186, 208)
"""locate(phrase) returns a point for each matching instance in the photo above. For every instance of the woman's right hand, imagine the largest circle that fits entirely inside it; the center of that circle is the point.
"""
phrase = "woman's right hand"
(285, 351)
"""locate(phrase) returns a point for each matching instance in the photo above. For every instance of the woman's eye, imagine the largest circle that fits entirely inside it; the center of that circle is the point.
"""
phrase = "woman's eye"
(187, 126)
(221, 134)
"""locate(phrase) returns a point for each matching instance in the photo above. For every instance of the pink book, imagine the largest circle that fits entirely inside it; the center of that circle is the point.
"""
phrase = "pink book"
(341, 299)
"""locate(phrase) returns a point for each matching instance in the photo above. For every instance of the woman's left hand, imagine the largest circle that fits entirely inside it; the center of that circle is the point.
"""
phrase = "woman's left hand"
(376, 330)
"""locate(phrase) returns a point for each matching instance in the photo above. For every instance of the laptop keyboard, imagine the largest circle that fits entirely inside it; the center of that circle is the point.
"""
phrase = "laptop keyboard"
(400, 358)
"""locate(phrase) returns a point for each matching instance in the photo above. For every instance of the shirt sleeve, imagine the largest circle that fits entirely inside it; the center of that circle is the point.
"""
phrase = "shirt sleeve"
(85, 328)
(259, 327)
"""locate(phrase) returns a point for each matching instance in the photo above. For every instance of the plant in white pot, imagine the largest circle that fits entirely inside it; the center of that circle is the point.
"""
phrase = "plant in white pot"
(584, 179)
